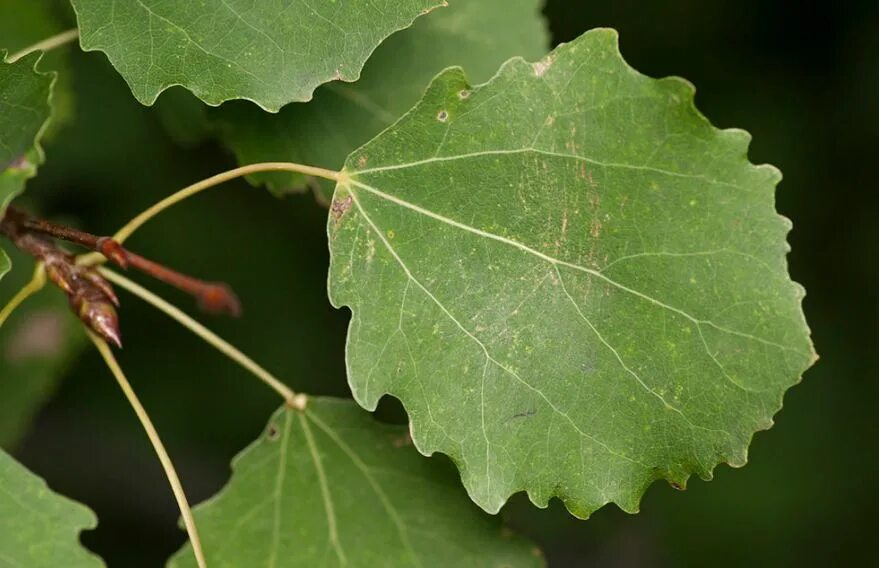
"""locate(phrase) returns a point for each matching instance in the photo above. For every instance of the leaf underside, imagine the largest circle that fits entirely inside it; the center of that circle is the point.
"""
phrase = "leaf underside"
(331, 487)
(477, 36)
(271, 53)
(39, 528)
(572, 281)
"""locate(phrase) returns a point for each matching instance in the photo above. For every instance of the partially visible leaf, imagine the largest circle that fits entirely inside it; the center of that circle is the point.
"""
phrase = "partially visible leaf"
(37, 344)
(572, 281)
(331, 486)
(271, 53)
(24, 114)
(477, 35)
(4, 264)
(39, 528)
(23, 24)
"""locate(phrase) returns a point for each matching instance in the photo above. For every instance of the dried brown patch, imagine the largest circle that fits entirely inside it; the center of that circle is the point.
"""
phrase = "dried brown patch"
(339, 207)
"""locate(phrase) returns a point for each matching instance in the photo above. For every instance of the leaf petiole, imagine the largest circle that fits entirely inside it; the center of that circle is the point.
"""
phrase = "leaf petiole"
(125, 232)
(46, 45)
(292, 399)
(153, 435)
(36, 283)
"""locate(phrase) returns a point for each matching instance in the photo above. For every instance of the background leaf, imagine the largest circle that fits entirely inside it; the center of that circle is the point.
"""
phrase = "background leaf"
(24, 114)
(271, 53)
(23, 24)
(39, 528)
(332, 486)
(572, 281)
(4, 263)
(477, 36)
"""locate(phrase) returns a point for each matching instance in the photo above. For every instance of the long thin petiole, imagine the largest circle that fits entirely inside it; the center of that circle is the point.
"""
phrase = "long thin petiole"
(153, 435)
(125, 232)
(292, 399)
(46, 44)
(35, 284)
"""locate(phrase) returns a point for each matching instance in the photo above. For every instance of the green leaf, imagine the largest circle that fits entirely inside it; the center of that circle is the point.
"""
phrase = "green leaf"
(332, 486)
(269, 53)
(478, 36)
(24, 115)
(572, 281)
(37, 344)
(39, 528)
(23, 24)
(4, 264)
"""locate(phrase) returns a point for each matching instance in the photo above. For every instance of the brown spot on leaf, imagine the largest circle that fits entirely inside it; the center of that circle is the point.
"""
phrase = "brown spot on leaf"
(361, 161)
(541, 67)
(338, 208)
(273, 433)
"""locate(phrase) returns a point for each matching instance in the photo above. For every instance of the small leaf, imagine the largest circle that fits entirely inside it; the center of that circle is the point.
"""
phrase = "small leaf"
(271, 53)
(478, 36)
(39, 528)
(331, 486)
(572, 281)
(24, 115)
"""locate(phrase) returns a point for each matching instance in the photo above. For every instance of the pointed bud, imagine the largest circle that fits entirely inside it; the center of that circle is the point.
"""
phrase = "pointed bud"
(99, 315)
(103, 285)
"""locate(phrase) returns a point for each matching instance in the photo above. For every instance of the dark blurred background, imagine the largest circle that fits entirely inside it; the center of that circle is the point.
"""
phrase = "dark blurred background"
(803, 78)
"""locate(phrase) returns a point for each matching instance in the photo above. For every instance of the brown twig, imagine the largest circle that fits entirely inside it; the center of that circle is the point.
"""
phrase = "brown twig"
(90, 294)
(91, 297)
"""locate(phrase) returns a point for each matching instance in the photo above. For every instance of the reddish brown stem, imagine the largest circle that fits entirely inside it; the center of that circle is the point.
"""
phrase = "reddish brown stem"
(212, 297)
(91, 297)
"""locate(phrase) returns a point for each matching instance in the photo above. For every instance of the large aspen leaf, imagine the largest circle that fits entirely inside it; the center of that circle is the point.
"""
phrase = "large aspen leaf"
(331, 486)
(573, 282)
(272, 52)
(39, 528)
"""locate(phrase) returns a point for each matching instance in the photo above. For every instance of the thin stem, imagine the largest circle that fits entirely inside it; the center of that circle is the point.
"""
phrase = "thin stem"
(122, 234)
(35, 285)
(213, 297)
(46, 44)
(153, 435)
(291, 398)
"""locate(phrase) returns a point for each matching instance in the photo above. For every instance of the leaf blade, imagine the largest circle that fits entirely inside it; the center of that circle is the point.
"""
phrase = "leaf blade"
(40, 528)
(24, 115)
(303, 493)
(574, 281)
(223, 50)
